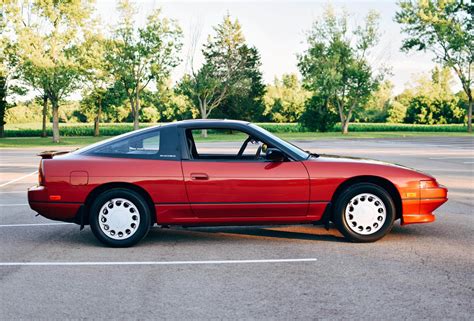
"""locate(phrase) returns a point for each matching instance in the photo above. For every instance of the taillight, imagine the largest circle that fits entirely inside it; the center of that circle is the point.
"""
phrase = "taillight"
(40, 174)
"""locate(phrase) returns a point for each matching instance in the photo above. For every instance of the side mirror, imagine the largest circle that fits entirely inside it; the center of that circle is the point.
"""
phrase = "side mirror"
(274, 155)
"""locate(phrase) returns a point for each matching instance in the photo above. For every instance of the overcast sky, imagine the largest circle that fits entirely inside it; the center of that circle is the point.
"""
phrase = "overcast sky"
(277, 29)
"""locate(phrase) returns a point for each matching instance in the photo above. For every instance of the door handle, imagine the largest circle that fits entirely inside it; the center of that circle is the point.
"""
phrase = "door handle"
(199, 176)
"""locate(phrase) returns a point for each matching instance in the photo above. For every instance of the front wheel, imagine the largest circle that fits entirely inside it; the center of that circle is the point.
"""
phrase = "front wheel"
(364, 212)
(119, 217)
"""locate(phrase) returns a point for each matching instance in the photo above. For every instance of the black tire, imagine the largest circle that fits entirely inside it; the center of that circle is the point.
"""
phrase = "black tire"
(136, 201)
(343, 202)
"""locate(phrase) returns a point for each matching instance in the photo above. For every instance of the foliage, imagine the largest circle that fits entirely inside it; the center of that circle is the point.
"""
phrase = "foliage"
(246, 105)
(318, 115)
(285, 99)
(444, 27)
(169, 104)
(49, 35)
(230, 69)
(377, 107)
(139, 55)
(425, 110)
(396, 112)
(335, 65)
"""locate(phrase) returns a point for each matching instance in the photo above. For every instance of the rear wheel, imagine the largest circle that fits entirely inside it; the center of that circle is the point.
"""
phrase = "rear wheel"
(120, 217)
(364, 212)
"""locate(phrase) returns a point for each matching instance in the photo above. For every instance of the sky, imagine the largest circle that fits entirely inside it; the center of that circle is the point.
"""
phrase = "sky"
(278, 30)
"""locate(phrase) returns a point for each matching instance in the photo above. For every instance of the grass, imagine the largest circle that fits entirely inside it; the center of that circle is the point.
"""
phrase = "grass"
(23, 142)
(110, 129)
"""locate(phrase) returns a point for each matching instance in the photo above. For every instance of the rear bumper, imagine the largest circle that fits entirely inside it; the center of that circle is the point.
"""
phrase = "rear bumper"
(421, 210)
(59, 211)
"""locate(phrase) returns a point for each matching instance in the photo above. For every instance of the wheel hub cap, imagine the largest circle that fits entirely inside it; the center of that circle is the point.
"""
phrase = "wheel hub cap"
(365, 214)
(119, 218)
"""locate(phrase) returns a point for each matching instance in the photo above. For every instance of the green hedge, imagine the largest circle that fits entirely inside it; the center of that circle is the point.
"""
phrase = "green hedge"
(116, 129)
(384, 127)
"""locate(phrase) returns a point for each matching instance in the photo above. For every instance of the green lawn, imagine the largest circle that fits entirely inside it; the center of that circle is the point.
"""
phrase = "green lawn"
(15, 142)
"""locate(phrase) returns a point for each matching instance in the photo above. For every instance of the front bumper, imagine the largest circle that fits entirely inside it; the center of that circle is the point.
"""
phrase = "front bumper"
(420, 210)
(38, 199)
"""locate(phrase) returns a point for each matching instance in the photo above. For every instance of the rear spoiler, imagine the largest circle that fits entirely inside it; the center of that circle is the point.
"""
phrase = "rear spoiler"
(51, 153)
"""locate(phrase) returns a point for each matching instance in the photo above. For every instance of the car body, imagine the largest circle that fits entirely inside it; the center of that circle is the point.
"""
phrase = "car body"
(177, 185)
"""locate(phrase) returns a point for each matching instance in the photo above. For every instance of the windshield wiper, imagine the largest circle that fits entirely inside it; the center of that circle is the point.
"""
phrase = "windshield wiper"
(312, 154)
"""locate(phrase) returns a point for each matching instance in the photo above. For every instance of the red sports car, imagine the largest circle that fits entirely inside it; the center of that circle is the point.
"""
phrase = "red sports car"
(166, 175)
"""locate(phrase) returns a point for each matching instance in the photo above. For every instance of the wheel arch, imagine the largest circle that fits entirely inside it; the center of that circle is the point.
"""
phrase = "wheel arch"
(103, 187)
(377, 180)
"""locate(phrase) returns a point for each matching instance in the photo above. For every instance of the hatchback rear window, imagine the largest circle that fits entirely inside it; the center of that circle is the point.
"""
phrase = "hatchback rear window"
(156, 144)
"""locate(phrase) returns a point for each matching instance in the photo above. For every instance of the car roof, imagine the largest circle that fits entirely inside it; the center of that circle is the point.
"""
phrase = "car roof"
(209, 122)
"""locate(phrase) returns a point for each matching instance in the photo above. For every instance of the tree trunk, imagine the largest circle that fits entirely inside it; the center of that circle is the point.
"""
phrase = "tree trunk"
(345, 126)
(203, 108)
(2, 119)
(3, 104)
(45, 114)
(97, 117)
(469, 115)
(137, 111)
(55, 106)
(3, 107)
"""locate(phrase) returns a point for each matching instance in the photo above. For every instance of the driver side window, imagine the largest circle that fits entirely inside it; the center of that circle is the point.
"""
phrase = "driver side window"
(224, 144)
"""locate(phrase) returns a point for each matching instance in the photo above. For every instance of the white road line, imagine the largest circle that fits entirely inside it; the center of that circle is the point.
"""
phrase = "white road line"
(154, 262)
(33, 224)
(18, 179)
(6, 205)
(458, 157)
(14, 192)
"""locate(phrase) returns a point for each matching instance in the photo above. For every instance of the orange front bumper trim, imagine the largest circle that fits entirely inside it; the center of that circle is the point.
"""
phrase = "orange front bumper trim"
(417, 218)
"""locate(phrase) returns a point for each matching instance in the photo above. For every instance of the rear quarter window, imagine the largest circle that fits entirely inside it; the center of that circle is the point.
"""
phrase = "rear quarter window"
(157, 144)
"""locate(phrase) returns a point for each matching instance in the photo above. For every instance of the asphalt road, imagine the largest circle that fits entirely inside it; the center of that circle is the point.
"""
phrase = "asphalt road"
(417, 272)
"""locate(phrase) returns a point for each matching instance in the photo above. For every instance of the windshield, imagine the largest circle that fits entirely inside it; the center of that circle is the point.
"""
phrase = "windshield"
(295, 149)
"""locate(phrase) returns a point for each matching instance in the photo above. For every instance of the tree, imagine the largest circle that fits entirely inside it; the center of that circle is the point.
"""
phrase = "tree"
(49, 34)
(247, 105)
(376, 108)
(336, 63)
(8, 65)
(6, 68)
(225, 70)
(445, 28)
(139, 55)
(285, 99)
(97, 74)
(396, 112)
(318, 114)
(431, 111)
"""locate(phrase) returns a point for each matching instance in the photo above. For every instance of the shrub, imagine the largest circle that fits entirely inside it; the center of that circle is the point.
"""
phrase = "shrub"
(396, 112)
(318, 116)
(423, 110)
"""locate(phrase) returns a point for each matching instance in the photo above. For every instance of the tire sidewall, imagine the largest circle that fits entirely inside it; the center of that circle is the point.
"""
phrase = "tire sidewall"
(344, 199)
(137, 200)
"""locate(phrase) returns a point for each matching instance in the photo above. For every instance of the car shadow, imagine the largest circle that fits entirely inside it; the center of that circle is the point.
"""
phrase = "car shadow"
(194, 234)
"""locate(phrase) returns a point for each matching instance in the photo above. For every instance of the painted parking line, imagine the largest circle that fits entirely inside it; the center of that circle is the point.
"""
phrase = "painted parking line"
(18, 179)
(34, 224)
(155, 262)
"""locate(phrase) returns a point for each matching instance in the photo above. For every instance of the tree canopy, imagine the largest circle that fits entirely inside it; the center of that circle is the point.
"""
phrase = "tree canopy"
(139, 55)
(336, 65)
(446, 29)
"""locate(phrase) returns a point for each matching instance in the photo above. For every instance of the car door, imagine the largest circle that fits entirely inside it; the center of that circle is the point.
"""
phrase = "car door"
(224, 188)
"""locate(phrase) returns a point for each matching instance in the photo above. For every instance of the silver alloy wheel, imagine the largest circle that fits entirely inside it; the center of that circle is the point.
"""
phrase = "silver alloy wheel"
(119, 218)
(365, 214)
